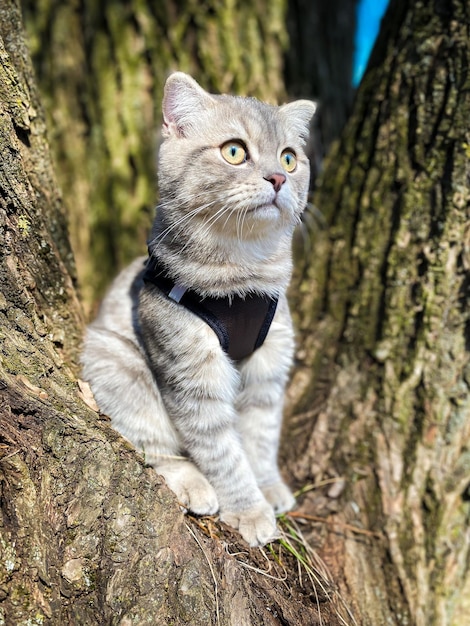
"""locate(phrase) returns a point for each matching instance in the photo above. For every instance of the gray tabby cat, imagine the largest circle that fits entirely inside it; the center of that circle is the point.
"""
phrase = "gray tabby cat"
(233, 181)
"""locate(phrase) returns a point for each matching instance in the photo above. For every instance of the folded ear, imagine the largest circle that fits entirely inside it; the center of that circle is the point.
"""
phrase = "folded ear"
(183, 101)
(298, 114)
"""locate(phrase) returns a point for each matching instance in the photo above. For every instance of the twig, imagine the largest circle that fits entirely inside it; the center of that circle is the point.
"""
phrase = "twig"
(7, 456)
(216, 587)
(317, 518)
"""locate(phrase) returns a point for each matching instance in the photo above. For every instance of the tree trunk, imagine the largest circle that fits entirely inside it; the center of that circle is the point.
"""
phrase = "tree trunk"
(319, 65)
(380, 398)
(101, 67)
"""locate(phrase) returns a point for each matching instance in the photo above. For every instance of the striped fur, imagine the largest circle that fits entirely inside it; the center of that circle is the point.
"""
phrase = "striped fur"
(158, 370)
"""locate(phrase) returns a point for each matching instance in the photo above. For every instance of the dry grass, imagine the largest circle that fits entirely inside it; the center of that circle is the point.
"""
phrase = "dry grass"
(311, 570)
(290, 561)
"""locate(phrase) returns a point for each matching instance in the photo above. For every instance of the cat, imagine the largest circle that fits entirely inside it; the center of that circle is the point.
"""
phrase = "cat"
(202, 399)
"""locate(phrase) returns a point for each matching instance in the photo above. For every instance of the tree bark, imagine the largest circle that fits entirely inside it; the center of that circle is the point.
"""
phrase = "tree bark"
(382, 385)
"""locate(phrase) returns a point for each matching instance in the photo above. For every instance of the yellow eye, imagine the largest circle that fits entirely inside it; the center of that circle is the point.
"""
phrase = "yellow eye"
(234, 152)
(288, 160)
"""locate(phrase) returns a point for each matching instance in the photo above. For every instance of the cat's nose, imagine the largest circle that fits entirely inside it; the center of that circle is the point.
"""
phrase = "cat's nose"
(277, 180)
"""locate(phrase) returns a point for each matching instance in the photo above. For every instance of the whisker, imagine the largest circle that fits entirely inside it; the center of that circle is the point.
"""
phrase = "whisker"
(181, 221)
(205, 227)
(225, 209)
(240, 224)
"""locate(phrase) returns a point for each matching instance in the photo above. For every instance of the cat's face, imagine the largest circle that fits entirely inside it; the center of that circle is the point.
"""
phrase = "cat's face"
(234, 164)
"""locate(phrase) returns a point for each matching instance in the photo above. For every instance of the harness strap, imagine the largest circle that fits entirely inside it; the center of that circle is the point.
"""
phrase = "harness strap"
(241, 324)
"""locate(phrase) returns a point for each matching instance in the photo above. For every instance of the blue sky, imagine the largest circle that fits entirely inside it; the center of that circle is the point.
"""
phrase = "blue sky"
(369, 15)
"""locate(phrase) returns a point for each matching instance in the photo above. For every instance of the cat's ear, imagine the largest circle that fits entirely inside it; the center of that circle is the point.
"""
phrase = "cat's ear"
(298, 115)
(183, 102)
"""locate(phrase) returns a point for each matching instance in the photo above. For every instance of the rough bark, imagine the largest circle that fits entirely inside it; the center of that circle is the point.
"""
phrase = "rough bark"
(101, 67)
(383, 379)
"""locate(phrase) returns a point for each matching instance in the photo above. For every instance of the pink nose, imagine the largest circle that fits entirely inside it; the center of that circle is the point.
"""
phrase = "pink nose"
(277, 180)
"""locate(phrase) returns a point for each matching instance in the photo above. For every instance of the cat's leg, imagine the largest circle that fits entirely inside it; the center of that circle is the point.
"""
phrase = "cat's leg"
(259, 404)
(125, 389)
(199, 383)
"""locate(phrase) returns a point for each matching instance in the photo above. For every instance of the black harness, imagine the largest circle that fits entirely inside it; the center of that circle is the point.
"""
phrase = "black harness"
(241, 324)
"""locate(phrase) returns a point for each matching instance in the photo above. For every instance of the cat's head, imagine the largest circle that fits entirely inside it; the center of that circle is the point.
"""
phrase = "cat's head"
(234, 164)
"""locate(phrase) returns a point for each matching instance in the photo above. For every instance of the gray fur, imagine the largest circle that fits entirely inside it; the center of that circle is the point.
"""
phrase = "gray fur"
(208, 425)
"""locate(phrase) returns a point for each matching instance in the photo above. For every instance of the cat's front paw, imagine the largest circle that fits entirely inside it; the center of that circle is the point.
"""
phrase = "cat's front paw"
(279, 497)
(257, 525)
(193, 490)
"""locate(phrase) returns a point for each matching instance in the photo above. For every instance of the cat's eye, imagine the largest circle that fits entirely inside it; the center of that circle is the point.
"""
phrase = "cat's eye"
(234, 152)
(288, 160)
